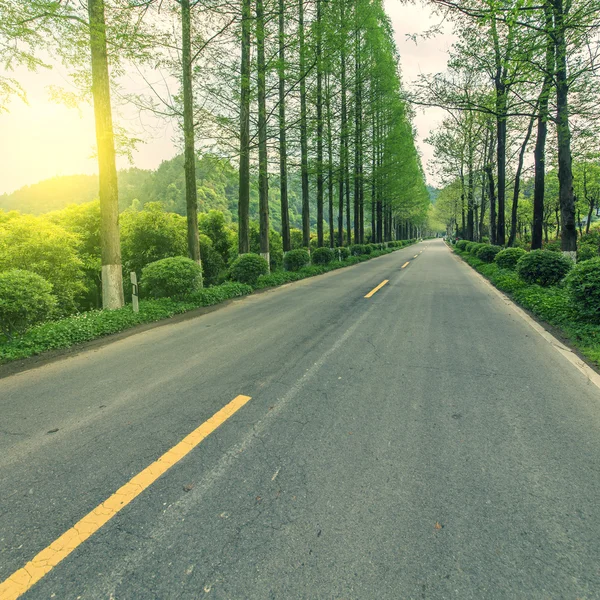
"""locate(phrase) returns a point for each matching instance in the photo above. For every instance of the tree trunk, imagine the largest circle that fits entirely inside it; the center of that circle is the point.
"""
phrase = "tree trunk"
(244, 174)
(330, 164)
(263, 175)
(283, 179)
(517, 186)
(110, 245)
(303, 131)
(189, 164)
(501, 160)
(539, 153)
(563, 130)
(320, 241)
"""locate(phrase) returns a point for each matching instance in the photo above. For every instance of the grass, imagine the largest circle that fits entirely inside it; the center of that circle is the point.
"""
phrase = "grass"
(550, 304)
(91, 325)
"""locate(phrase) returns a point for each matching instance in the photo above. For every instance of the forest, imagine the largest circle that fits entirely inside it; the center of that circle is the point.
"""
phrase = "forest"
(293, 124)
(518, 152)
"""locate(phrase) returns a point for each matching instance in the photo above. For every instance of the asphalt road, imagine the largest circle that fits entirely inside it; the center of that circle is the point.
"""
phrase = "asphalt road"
(422, 443)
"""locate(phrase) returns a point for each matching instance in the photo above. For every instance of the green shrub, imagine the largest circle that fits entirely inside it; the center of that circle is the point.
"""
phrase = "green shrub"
(487, 253)
(294, 260)
(175, 278)
(543, 267)
(343, 252)
(469, 245)
(213, 264)
(508, 258)
(472, 247)
(586, 252)
(357, 250)
(321, 256)
(462, 245)
(25, 299)
(247, 268)
(367, 249)
(552, 246)
(583, 283)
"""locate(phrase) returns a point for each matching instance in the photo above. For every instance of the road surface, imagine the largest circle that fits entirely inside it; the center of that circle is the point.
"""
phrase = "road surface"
(423, 443)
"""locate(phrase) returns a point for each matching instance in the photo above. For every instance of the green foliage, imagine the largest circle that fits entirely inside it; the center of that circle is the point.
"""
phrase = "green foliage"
(94, 324)
(175, 278)
(473, 247)
(321, 256)
(552, 246)
(583, 283)
(213, 225)
(357, 250)
(508, 258)
(25, 299)
(587, 252)
(294, 260)
(37, 245)
(487, 253)
(543, 267)
(213, 265)
(247, 268)
(462, 244)
(275, 245)
(150, 235)
(343, 252)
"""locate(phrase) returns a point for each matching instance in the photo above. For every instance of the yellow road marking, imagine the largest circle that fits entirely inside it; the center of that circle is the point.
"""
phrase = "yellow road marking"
(416, 256)
(23, 579)
(373, 291)
(405, 265)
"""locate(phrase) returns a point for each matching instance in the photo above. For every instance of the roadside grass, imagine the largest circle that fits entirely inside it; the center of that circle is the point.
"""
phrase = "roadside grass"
(550, 304)
(87, 326)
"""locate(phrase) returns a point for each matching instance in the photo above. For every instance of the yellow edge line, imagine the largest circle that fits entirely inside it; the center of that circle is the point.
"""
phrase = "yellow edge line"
(23, 579)
(405, 265)
(377, 288)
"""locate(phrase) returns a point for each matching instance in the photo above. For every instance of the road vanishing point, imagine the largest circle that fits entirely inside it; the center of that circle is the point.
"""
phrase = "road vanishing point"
(395, 429)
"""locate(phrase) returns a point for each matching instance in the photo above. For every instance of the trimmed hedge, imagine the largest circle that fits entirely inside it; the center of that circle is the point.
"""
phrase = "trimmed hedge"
(487, 253)
(543, 267)
(508, 258)
(294, 260)
(321, 256)
(25, 299)
(462, 244)
(176, 277)
(247, 268)
(583, 283)
(357, 249)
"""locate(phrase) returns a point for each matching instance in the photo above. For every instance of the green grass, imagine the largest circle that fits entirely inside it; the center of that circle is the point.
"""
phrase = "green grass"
(550, 304)
(95, 324)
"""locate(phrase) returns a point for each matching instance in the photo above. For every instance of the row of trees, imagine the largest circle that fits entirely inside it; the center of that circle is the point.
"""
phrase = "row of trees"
(308, 85)
(519, 72)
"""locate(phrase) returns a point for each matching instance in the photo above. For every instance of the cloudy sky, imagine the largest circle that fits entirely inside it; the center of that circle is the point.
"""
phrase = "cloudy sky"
(42, 139)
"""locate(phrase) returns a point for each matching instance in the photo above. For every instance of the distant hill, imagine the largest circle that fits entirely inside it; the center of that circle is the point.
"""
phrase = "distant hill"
(433, 193)
(58, 192)
(216, 182)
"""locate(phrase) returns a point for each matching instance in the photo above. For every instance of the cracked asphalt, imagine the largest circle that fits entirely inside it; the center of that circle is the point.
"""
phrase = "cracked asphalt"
(423, 443)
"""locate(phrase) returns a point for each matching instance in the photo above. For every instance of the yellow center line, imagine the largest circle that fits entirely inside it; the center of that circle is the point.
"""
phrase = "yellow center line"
(405, 265)
(416, 256)
(23, 579)
(373, 291)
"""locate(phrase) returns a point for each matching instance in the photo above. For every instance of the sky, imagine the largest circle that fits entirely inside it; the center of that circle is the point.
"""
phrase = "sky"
(42, 139)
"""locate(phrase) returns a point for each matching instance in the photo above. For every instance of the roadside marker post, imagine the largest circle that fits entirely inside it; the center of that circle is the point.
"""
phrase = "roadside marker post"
(134, 292)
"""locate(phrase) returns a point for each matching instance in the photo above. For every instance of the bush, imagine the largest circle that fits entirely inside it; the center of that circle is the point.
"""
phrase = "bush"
(462, 245)
(213, 264)
(472, 247)
(543, 267)
(321, 256)
(247, 268)
(175, 278)
(583, 283)
(357, 250)
(508, 258)
(344, 252)
(25, 299)
(586, 251)
(296, 259)
(367, 249)
(552, 246)
(487, 253)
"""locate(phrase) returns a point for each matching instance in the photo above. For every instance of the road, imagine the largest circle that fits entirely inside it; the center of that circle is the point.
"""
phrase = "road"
(422, 443)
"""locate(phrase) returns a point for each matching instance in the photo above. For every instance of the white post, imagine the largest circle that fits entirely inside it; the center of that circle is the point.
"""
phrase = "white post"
(134, 292)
